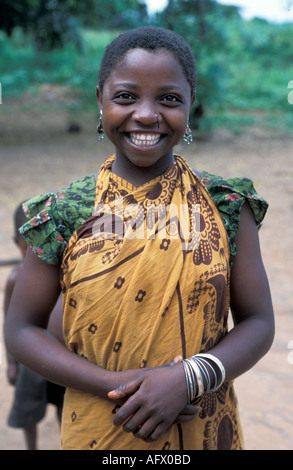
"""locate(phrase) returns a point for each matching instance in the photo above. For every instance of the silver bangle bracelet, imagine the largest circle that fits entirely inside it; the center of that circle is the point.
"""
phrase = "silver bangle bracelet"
(198, 378)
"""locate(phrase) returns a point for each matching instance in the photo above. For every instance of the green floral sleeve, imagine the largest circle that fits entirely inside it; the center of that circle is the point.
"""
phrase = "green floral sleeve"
(229, 196)
(54, 217)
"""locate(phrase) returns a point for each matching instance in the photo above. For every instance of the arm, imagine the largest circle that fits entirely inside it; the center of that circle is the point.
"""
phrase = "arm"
(251, 304)
(241, 348)
(28, 340)
(55, 325)
(12, 365)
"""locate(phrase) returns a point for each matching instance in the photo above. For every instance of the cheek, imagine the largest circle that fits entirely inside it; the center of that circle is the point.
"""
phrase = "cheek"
(179, 123)
(112, 118)
(109, 123)
(179, 118)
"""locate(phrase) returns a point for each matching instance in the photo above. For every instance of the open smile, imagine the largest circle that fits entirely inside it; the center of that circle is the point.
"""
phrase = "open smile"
(144, 139)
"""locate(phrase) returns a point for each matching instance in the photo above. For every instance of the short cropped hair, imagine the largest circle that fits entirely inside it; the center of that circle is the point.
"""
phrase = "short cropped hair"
(150, 38)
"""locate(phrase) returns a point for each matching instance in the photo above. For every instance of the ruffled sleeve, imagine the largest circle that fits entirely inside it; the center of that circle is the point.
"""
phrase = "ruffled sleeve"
(229, 196)
(54, 217)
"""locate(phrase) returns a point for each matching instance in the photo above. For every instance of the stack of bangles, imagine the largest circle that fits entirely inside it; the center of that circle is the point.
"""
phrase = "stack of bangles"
(204, 375)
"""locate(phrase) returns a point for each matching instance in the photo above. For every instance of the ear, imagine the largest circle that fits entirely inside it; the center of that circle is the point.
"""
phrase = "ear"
(192, 101)
(99, 97)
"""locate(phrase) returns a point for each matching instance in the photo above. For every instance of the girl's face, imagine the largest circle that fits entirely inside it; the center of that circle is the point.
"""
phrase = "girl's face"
(146, 102)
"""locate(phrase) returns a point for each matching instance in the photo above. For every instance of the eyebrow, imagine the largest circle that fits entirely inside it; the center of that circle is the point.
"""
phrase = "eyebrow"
(133, 86)
(126, 85)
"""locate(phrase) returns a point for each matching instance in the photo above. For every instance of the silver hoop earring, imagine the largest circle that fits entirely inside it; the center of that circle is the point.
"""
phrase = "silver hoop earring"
(188, 135)
(100, 130)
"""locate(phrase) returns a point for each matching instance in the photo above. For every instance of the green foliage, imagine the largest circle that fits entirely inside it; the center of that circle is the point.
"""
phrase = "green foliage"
(244, 67)
(24, 69)
(241, 64)
(203, 24)
(53, 23)
(117, 14)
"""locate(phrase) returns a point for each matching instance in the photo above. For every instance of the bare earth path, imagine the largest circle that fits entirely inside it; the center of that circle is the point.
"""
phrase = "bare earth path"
(37, 155)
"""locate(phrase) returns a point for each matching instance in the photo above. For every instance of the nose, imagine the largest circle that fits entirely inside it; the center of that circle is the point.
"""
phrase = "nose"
(146, 114)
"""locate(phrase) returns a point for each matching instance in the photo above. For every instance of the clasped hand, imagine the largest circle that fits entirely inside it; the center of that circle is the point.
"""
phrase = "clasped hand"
(153, 401)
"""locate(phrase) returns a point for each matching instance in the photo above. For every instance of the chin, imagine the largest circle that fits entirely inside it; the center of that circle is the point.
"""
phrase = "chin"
(145, 161)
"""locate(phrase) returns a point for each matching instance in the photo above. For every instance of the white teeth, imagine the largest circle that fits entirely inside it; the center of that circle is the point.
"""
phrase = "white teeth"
(144, 139)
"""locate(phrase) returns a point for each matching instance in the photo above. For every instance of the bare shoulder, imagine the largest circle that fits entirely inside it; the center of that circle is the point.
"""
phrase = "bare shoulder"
(247, 231)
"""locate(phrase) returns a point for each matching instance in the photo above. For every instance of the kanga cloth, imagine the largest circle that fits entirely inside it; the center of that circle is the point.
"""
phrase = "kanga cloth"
(53, 217)
(133, 301)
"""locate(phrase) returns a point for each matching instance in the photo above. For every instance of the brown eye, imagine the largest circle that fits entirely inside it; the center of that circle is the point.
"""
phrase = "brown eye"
(172, 99)
(124, 96)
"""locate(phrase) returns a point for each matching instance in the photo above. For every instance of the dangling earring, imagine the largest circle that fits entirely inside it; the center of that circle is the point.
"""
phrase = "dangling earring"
(100, 130)
(188, 135)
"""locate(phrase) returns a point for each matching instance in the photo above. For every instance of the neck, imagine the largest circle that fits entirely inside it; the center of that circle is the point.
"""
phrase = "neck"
(139, 175)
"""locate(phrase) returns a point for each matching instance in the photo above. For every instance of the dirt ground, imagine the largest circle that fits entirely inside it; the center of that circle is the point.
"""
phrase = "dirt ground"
(37, 155)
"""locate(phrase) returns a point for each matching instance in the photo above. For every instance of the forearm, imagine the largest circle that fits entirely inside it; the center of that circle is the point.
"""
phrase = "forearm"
(251, 304)
(244, 346)
(41, 352)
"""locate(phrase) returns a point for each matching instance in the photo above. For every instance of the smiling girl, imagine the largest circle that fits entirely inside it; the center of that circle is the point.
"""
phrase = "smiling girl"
(132, 304)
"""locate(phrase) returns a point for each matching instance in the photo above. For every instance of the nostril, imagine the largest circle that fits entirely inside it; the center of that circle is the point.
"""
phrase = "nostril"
(147, 117)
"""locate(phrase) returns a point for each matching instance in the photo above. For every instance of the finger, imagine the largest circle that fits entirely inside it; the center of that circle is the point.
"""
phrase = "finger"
(190, 410)
(119, 392)
(126, 411)
(178, 359)
(154, 434)
(135, 423)
(189, 413)
(124, 390)
(147, 429)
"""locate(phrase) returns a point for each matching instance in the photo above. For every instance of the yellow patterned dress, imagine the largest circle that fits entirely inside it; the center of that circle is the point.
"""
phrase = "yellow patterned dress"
(132, 301)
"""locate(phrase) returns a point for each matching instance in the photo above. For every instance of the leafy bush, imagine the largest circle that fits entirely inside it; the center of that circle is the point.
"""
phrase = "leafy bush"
(242, 65)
